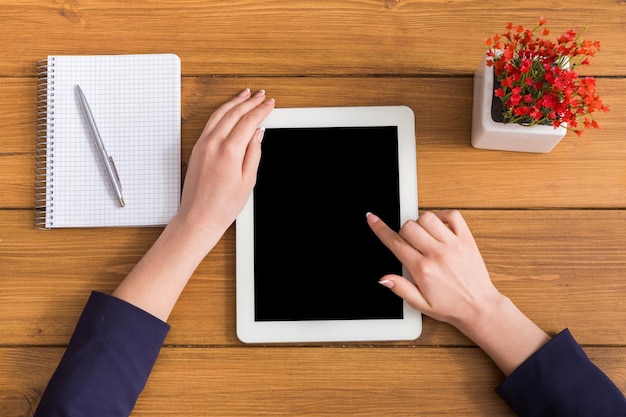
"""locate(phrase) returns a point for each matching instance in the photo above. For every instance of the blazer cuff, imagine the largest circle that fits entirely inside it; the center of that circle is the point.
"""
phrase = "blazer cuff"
(107, 362)
(560, 380)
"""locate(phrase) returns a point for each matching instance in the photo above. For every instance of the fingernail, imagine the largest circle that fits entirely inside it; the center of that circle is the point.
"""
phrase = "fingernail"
(259, 93)
(387, 283)
(270, 101)
(371, 217)
(260, 132)
(244, 93)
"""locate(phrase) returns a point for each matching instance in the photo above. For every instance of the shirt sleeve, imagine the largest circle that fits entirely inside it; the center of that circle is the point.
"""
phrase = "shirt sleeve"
(560, 380)
(107, 362)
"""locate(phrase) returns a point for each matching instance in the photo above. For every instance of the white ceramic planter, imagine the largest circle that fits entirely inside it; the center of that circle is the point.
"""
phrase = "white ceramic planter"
(487, 134)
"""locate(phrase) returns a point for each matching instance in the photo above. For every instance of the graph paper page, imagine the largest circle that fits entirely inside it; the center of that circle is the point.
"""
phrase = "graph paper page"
(135, 101)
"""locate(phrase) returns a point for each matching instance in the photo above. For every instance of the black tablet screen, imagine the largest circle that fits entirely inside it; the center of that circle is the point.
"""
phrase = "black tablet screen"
(315, 256)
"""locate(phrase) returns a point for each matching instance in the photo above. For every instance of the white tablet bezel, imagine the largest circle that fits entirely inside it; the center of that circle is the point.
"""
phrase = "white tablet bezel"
(407, 328)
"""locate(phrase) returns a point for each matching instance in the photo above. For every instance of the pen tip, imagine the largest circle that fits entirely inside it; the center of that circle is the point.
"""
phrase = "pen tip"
(122, 204)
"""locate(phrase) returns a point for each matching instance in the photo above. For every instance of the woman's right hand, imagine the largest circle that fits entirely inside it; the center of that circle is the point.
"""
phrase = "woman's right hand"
(441, 255)
(452, 284)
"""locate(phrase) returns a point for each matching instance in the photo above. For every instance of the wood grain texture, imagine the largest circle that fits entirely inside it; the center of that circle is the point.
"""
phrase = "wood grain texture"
(321, 37)
(311, 382)
(550, 227)
(563, 268)
(581, 172)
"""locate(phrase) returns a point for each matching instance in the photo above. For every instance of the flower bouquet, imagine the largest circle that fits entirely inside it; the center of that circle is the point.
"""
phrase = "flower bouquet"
(531, 82)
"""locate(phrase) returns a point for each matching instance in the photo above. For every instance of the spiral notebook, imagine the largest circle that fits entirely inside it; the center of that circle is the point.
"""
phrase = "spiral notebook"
(135, 101)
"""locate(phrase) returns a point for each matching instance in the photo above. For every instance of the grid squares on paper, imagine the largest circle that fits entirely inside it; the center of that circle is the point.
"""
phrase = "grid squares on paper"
(135, 100)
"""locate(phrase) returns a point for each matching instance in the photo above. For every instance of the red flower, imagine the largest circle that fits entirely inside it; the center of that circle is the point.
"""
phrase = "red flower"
(538, 81)
(525, 65)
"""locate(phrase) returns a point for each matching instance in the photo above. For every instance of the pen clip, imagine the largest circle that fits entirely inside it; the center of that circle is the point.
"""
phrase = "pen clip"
(117, 176)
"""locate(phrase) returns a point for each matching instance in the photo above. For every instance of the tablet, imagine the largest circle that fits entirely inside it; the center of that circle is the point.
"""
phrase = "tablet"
(307, 263)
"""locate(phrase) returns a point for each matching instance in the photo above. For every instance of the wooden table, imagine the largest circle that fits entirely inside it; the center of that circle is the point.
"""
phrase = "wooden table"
(551, 227)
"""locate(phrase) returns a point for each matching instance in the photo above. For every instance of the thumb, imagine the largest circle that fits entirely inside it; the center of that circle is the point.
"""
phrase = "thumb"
(406, 290)
(252, 157)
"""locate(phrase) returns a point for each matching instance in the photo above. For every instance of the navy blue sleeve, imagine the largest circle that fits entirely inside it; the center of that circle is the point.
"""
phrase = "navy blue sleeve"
(560, 380)
(107, 362)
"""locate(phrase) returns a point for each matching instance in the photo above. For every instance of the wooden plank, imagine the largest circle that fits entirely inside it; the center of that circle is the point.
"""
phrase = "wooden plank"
(563, 265)
(581, 172)
(319, 37)
(564, 268)
(298, 381)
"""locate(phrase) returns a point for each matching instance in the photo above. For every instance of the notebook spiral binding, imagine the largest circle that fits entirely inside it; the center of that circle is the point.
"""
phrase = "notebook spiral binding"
(44, 151)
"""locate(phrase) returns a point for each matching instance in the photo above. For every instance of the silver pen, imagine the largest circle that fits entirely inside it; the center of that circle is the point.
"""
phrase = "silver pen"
(107, 161)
